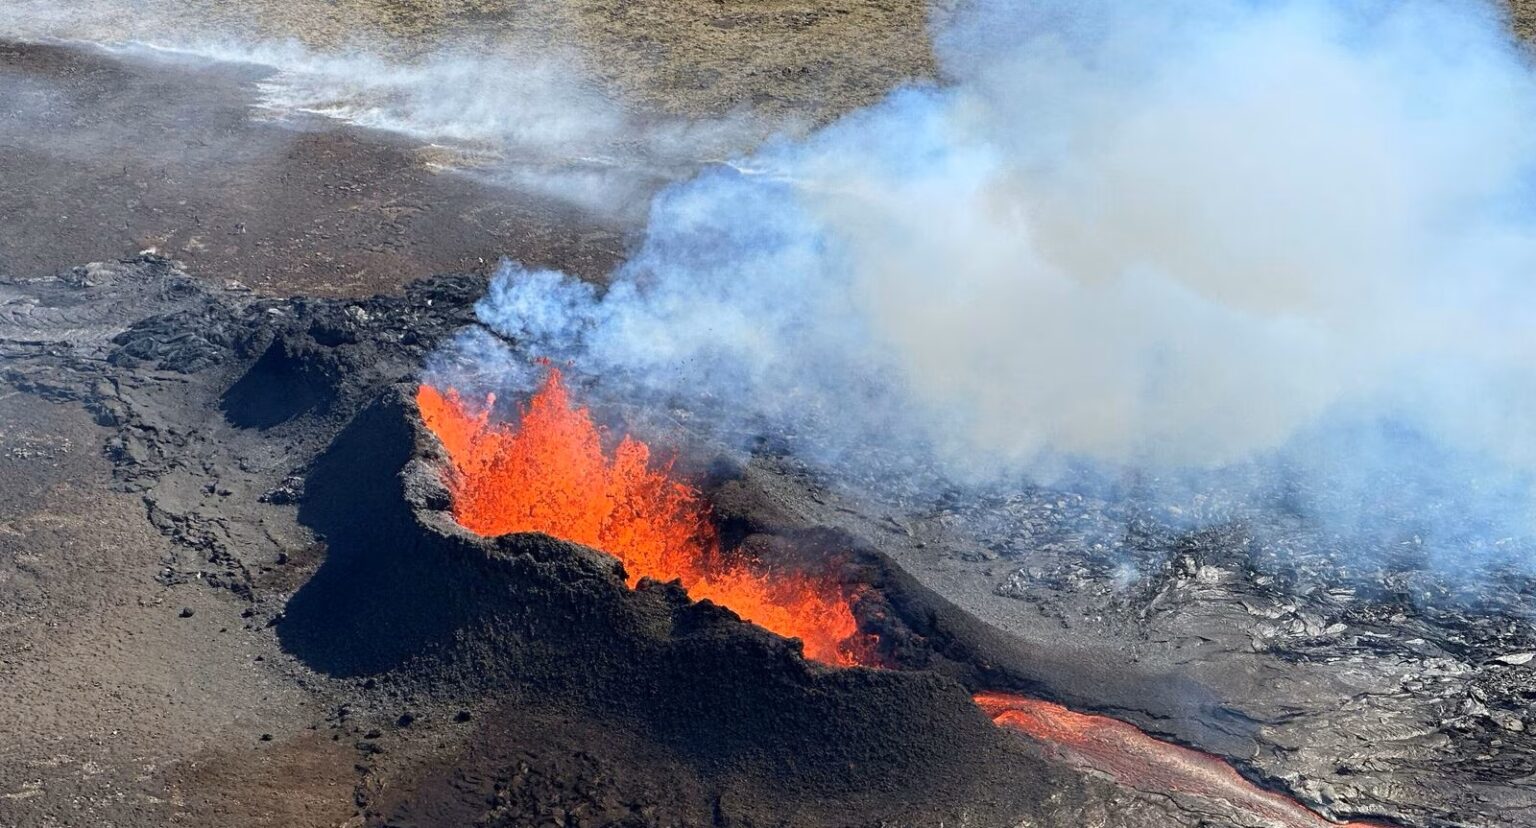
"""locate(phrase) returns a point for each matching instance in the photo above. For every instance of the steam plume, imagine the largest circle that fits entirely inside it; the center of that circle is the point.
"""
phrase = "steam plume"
(1202, 235)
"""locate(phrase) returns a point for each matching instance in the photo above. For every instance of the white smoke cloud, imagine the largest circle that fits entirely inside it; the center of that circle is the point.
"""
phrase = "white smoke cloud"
(1152, 235)
(1147, 236)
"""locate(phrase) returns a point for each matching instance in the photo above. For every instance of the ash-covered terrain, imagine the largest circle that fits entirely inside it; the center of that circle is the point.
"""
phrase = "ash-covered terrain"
(232, 588)
(266, 526)
(108, 152)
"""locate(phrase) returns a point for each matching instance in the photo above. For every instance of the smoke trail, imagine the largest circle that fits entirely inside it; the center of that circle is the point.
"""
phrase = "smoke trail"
(531, 119)
(528, 116)
(1200, 235)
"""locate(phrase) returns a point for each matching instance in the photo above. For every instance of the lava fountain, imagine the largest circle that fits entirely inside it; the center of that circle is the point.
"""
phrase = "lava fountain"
(549, 473)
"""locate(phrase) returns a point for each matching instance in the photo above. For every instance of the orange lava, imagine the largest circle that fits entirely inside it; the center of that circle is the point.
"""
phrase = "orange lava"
(1134, 759)
(550, 474)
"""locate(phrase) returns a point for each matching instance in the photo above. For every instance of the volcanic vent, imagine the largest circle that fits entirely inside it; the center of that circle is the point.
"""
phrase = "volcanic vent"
(545, 626)
(551, 474)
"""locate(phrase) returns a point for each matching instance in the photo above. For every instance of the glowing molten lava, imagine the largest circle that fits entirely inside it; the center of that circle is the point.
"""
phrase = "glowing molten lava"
(550, 474)
(1137, 760)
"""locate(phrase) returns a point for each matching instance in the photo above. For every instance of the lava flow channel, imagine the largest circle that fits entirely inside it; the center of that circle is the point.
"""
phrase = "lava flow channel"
(1136, 760)
(549, 474)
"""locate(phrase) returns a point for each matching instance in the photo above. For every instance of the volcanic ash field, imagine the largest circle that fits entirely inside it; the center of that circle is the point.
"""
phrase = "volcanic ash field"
(903, 455)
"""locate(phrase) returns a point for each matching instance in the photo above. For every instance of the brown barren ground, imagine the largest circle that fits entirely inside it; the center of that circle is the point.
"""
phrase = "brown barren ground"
(115, 709)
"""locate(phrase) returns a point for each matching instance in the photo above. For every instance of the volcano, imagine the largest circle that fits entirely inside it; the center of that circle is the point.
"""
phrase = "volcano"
(407, 592)
(548, 474)
(578, 646)
(1087, 415)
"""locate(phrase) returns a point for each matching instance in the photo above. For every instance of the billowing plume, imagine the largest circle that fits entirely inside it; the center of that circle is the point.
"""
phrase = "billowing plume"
(1197, 235)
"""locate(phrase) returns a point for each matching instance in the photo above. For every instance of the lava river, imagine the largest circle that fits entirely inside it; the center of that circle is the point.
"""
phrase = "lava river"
(550, 473)
(1132, 758)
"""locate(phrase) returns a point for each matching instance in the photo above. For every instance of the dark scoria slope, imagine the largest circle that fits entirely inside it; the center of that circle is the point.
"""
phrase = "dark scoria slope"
(405, 592)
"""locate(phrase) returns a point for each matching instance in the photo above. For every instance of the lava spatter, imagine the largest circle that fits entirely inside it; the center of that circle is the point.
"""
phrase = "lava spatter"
(549, 473)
